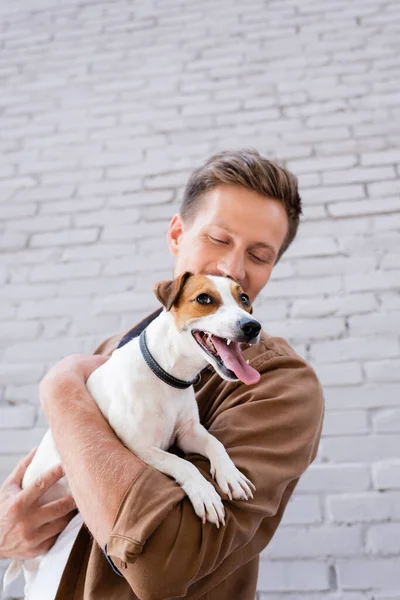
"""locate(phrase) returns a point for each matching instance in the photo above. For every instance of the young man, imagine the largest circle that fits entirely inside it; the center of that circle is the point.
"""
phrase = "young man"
(239, 214)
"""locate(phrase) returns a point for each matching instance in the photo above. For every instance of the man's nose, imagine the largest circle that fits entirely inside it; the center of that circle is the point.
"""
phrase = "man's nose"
(232, 265)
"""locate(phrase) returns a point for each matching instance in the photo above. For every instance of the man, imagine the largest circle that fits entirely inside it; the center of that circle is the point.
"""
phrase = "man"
(143, 540)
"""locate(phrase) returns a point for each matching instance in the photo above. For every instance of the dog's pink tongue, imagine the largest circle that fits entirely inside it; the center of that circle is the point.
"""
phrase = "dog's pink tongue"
(233, 360)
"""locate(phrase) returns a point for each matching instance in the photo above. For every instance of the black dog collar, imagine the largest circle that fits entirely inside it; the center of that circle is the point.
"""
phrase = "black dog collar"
(159, 371)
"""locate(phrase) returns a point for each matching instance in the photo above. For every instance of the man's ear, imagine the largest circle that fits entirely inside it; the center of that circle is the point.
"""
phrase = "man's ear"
(168, 292)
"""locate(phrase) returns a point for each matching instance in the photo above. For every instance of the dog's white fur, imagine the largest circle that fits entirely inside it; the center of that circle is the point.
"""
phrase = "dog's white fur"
(148, 415)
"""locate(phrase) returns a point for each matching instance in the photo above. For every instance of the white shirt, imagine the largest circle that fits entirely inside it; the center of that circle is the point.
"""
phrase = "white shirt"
(45, 583)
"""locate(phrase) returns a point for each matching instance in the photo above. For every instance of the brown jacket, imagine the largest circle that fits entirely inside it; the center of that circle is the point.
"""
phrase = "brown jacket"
(271, 431)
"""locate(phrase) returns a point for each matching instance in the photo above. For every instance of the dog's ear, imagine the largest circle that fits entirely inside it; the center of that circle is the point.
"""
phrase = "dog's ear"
(168, 292)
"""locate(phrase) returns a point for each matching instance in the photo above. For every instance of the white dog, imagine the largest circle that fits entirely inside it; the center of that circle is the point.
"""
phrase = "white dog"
(145, 391)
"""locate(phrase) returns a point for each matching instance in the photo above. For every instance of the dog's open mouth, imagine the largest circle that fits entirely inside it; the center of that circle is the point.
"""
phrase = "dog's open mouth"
(228, 356)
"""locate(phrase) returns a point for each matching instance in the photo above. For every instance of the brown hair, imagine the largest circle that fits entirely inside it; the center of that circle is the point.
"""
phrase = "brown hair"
(250, 170)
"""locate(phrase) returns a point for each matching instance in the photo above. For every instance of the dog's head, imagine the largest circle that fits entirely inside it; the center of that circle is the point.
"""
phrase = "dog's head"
(214, 315)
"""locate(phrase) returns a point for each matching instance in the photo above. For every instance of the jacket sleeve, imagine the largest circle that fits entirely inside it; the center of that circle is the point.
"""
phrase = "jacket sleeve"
(271, 431)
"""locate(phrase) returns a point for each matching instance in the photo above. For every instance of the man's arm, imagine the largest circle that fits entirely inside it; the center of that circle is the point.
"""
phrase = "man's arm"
(98, 466)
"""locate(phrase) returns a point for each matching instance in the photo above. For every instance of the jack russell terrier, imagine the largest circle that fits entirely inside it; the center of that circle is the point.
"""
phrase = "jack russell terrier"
(145, 391)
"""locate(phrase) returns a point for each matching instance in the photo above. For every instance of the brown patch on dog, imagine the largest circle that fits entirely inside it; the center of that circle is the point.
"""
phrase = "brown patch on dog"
(187, 308)
(168, 292)
(236, 291)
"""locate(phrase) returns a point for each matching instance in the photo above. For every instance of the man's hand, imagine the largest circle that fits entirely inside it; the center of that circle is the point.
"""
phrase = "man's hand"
(27, 529)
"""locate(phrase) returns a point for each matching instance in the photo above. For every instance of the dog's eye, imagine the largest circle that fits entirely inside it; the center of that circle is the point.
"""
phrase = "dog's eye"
(245, 300)
(204, 299)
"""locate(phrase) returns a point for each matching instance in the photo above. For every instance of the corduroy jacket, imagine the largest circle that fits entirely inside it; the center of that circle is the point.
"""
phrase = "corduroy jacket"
(162, 550)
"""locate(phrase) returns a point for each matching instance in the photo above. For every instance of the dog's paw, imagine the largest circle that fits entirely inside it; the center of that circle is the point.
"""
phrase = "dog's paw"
(206, 501)
(232, 481)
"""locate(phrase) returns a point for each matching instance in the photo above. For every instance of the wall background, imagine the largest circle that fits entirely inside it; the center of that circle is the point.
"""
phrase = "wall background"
(106, 107)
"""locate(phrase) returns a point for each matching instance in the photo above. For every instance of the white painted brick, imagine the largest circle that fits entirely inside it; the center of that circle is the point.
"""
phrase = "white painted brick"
(386, 421)
(380, 158)
(339, 374)
(381, 280)
(18, 331)
(359, 175)
(100, 286)
(55, 327)
(302, 287)
(142, 198)
(386, 222)
(336, 306)
(55, 307)
(384, 539)
(17, 417)
(369, 573)
(386, 474)
(359, 448)
(314, 212)
(335, 478)
(47, 350)
(9, 240)
(65, 238)
(363, 207)
(302, 510)
(331, 595)
(78, 205)
(107, 217)
(368, 396)
(108, 188)
(13, 211)
(383, 370)
(391, 261)
(21, 373)
(346, 422)
(369, 245)
(337, 228)
(292, 576)
(98, 251)
(104, 326)
(167, 181)
(20, 291)
(333, 194)
(44, 194)
(155, 260)
(364, 508)
(383, 188)
(389, 301)
(321, 164)
(315, 542)
(66, 271)
(308, 329)
(15, 441)
(312, 247)
(39, 223)
(353, 349)
(282, 270)
(126, 301)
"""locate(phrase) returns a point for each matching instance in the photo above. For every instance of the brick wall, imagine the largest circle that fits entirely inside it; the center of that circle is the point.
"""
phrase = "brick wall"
(106, 107)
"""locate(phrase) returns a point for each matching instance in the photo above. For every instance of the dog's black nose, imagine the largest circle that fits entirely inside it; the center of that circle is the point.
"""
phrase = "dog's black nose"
(250, 328)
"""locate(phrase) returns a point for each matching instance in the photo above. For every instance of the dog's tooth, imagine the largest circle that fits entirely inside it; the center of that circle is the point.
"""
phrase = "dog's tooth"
(248, 361)
(228, 342)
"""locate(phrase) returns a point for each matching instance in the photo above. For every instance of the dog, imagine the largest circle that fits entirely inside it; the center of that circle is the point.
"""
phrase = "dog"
(145, 391)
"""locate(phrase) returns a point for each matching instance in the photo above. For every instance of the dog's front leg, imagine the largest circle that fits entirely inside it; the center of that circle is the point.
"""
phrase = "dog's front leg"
(206, 501)
(193, 437)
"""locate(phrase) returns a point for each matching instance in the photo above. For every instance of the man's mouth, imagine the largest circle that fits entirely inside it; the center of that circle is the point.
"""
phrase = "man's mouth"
(228, 356)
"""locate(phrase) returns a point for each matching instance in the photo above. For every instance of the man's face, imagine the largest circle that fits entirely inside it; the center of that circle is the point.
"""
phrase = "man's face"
(235, 232)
